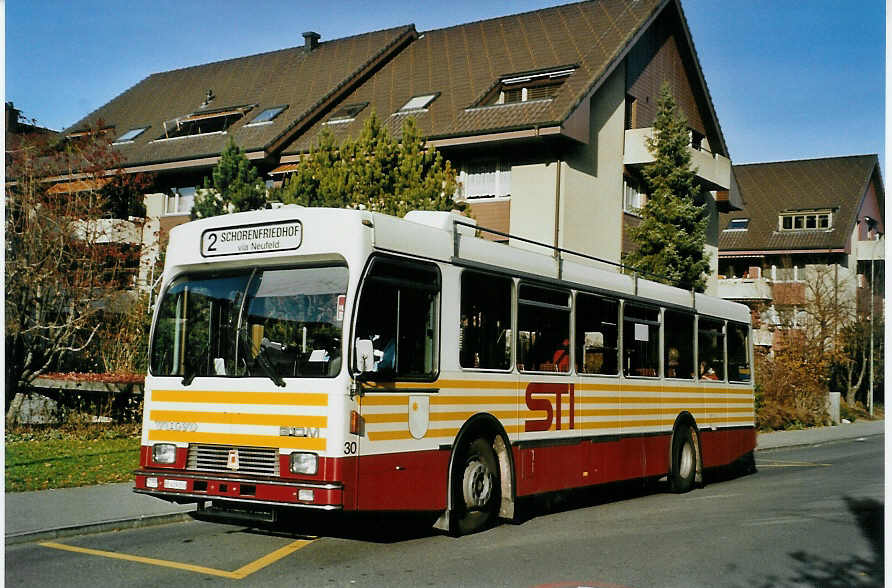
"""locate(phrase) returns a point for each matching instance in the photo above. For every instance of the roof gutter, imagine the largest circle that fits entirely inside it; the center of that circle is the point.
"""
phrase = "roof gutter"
(499, 136)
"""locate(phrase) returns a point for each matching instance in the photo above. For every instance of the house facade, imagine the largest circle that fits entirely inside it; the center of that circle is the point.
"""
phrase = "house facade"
(811, 233)
(544, 114)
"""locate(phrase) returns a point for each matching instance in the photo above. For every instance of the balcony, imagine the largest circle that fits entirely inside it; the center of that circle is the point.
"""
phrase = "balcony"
(712, 169)
(870, 250)
(744, 289)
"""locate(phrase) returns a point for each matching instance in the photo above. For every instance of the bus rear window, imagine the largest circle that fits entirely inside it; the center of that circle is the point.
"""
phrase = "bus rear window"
(277, 323)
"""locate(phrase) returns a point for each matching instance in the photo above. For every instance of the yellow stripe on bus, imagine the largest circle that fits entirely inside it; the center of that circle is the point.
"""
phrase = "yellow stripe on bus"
(663, 422)
(312, 443)
(403, 417)
(220, 397)
(405, 435)
(239, 418)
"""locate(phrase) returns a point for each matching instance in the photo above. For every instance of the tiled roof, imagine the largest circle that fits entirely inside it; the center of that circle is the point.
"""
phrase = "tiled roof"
(293, 77)
(835, 183)
(464, 62)
(385, 68)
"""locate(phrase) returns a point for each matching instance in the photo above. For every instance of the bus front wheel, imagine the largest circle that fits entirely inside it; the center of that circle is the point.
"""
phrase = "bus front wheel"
(684, 461)
(476, 487)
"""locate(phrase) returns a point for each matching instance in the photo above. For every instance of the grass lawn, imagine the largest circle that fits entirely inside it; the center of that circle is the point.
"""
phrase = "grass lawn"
(38, 459)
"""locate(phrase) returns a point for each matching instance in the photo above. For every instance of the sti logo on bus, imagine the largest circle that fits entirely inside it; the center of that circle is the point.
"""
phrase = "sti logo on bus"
(265, 238)
(559, 391)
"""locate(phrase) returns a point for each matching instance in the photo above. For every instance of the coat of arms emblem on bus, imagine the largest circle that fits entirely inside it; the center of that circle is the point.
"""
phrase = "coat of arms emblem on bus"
(232, 460)
(419, 415)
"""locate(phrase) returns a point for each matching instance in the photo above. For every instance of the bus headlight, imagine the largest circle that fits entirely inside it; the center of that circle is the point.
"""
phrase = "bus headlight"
(164, 453)
(304, 463)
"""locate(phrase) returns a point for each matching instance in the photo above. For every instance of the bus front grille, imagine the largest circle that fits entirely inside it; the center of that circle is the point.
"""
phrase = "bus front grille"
(261, 461)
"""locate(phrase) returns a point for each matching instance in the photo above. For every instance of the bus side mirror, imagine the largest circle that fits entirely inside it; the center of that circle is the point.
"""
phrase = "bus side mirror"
(364, 356)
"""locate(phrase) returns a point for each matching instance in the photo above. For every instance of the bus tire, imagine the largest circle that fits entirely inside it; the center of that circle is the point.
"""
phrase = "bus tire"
(476, 487)
(684, 460)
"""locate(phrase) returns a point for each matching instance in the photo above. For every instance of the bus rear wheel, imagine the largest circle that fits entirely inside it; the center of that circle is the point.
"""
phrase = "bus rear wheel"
(684, 461)
(476, 486)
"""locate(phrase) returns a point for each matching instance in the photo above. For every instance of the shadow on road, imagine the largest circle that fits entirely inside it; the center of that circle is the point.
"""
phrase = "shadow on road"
(813, 569)
(376, 528)
(618, 491)
(393, 527)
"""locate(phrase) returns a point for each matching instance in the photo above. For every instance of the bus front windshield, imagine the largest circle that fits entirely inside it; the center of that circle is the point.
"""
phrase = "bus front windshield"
(273, 323)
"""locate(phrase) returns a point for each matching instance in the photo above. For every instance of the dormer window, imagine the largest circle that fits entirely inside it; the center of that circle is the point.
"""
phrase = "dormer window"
(131, 135)
(738, 224)
(267, 115)
(417, 103)
(806, 221)
(204, 122)
(526, 87)
(346, 113)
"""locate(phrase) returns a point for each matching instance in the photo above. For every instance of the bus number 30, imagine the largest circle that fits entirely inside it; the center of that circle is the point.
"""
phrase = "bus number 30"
(349, 447)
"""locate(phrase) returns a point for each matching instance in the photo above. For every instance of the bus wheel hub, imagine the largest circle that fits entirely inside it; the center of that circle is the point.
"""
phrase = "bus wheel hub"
(477, 484)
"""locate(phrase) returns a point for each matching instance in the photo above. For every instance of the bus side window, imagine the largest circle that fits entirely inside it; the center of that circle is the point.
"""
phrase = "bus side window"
(641, 341)
(485, 335)
(543, 329)
(596, 335)
(739, 353)
(711, 349)
(678, 350)
(398, 313)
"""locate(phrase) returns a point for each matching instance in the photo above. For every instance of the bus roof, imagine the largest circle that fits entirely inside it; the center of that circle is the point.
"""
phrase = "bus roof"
(279, 235)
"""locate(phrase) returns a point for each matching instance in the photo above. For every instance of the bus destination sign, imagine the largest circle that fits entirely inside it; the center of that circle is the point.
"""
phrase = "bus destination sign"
(285, 236)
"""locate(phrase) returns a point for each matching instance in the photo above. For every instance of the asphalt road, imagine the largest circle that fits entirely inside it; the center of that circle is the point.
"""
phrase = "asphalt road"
(809, 517)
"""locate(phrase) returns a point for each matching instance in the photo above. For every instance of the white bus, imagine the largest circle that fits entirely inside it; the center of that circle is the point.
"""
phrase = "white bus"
(311, 358)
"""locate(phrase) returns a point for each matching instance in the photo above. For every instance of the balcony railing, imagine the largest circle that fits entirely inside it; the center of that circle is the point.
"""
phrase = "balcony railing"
(744, 289)
(712, 169)
(870, 250)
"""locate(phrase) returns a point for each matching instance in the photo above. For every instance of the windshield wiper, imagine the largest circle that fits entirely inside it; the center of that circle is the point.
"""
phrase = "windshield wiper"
(262, 359)
(268, 367)
(190, 369)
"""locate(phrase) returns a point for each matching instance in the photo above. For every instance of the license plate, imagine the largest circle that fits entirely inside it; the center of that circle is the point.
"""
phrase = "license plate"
(175, 484)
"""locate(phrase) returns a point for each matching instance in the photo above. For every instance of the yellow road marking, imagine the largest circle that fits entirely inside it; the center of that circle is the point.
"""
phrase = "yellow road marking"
(268, 559)
(238, 574)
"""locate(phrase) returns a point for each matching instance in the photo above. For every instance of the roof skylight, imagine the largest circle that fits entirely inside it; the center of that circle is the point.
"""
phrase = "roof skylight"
(418, 102)
(131, 135)
(268, 115)
(346, 113)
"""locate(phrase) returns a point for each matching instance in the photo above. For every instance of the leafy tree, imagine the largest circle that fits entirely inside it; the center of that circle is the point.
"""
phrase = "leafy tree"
(672, 232)
(374, 172)
(234, 186)
(70, 249)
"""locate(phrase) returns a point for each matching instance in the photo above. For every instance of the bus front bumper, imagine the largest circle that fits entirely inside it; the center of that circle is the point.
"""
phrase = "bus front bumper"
(186, 487)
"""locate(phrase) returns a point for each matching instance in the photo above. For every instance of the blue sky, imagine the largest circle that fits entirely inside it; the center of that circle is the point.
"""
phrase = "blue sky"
(790, 79)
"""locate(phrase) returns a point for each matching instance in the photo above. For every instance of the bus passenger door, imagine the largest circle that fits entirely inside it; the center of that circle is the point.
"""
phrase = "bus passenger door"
(398, 320)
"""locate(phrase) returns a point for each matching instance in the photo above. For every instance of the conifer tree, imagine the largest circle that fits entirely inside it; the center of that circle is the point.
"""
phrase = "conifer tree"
(234, 186)
(672, 233)
(374, 172)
